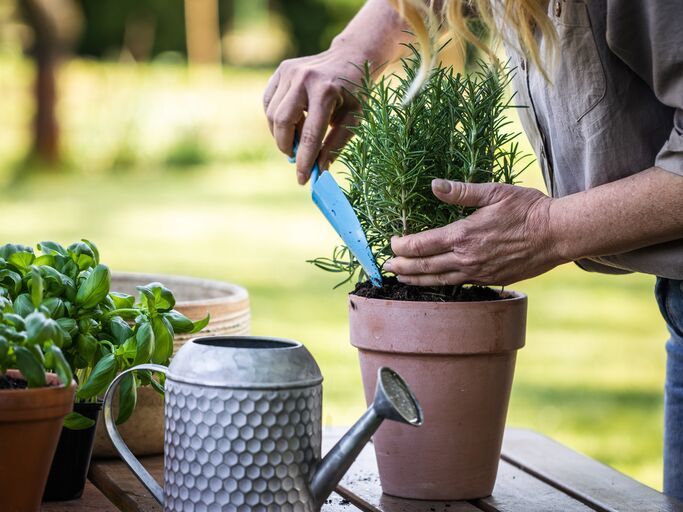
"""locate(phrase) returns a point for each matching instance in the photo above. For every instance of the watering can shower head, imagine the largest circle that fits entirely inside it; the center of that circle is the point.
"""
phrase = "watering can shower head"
(393, 401)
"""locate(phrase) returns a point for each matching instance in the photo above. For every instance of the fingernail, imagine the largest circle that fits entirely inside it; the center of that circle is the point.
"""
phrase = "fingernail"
(301, 178)
(443, 186)
(387, 266)
(402, 279)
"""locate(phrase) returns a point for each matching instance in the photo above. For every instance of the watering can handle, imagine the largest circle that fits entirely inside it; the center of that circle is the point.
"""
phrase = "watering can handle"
(134, 464)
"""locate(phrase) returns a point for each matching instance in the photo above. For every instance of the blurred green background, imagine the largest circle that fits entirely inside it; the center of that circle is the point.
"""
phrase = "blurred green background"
(163, 158)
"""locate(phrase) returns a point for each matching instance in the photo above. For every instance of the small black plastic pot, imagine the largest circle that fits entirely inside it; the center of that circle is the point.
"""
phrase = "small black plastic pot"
(70, 465)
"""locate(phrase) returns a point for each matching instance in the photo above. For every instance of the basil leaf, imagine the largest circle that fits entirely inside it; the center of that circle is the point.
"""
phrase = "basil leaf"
(157, 297)
(4, 349)
(95, 288)
(127, 398)
(46, 260)
(163, 340)
(36, 287)
(5, 305)
(54, 280)
(180, 323)
(158, 386)
(22, 261)
(122, 300)
(15, 320)
(200, 324)
(40, 328)
(82, 255)
(23, 305)
(93, 249)
(55, 307)
(8, 249)
(30, 367)
(87, 345)
(120, 330)
(55, 360)
(71, 270)
(101, 376)
(10, 280)
(68, 325)
(145, 339)
(76, 421)
(183, 325)
(52, 248)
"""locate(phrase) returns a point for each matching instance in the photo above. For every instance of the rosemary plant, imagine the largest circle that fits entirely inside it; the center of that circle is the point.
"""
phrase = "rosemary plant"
(455, 128)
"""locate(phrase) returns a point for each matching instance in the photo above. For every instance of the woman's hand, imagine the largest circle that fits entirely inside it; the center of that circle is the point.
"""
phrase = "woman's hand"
(309, 94)
(506, 240)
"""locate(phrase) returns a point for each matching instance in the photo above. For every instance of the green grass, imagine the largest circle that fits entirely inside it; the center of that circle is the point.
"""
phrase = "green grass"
(592, 371)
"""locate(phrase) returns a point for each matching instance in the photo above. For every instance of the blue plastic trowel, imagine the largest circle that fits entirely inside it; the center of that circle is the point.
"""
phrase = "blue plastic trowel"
(334, 205)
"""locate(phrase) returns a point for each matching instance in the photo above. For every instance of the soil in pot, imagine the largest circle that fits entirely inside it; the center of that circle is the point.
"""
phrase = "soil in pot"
(72, 459)
(30, 423)
(393, 290)
(12, 383)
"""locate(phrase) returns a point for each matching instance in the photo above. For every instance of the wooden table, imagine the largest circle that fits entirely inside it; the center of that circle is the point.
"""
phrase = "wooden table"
(536, 474)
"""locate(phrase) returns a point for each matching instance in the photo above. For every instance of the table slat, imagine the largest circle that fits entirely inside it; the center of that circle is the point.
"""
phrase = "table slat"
(123, 488)
(91, 501)
(587, 480)
(517, 491)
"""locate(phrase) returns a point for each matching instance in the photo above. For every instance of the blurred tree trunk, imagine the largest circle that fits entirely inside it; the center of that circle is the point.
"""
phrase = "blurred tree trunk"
(202, 32)
(45, 52)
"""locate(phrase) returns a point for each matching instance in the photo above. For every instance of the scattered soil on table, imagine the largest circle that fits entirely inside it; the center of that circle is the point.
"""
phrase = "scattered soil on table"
(10, 383)
(393, 290)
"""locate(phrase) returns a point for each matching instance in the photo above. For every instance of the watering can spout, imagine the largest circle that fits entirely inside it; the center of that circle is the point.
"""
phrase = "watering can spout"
(393, 401)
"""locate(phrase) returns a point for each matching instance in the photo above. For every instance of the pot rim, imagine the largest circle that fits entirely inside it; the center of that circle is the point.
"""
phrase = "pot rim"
(514, 297)
(36, 404)
(232, 291)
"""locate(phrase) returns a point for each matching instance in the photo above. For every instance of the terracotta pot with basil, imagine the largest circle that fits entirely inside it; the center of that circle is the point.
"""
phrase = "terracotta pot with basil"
(33, 401)
(455, 345)
(58, 313)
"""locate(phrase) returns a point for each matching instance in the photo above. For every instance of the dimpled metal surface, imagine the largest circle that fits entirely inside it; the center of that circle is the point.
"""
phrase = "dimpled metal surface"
(235, 450)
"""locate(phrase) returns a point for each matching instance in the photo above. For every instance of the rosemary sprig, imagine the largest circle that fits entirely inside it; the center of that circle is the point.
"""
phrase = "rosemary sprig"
(455, 128)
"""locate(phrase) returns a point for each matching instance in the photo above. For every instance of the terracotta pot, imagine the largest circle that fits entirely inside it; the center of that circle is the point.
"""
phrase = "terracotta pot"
(228, 305)
(30, 424)
(459, 359)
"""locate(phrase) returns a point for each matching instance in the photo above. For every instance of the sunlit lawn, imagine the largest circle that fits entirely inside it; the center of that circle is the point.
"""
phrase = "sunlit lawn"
(591, 373)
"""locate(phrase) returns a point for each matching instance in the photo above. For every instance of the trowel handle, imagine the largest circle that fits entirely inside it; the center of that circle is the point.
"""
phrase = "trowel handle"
(315, 170)
(116, 439)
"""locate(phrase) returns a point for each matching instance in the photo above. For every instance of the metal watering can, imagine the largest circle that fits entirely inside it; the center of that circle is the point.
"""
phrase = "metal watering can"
(243, 427)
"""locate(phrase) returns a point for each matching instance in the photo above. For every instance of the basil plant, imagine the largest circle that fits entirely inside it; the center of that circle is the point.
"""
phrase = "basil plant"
(57, 313)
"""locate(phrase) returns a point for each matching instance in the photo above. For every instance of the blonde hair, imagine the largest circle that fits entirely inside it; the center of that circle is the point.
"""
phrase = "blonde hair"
(523, 16)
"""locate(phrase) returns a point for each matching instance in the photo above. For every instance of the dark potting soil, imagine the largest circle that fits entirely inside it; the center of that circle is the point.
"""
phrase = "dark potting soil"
(393, 290)
(10, 383)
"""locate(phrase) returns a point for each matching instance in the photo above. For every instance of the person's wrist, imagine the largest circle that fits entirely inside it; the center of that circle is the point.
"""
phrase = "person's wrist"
(561, 232)
(349, 51)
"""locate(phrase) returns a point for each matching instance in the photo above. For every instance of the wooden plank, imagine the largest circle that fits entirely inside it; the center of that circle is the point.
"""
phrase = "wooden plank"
(595, 484)
(517, 491)
(91, 501)
(122, 487)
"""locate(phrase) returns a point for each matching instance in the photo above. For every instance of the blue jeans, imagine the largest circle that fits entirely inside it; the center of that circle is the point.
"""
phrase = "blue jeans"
(669, 295)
